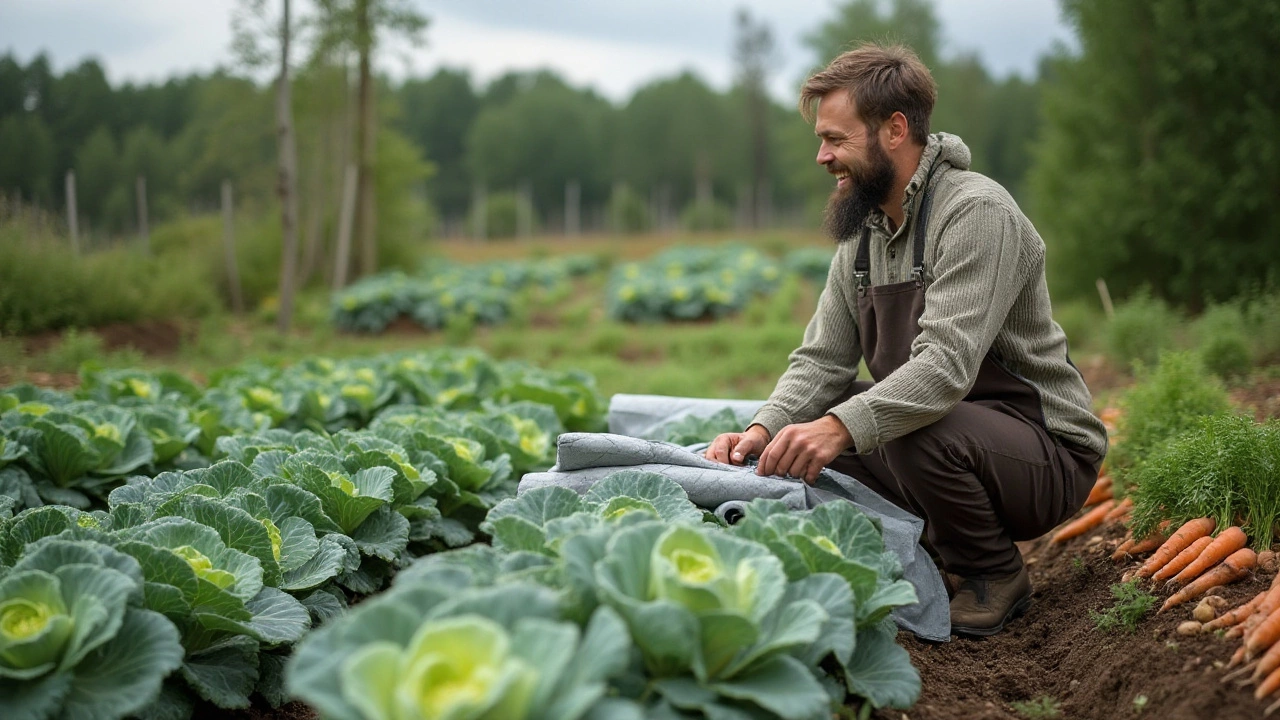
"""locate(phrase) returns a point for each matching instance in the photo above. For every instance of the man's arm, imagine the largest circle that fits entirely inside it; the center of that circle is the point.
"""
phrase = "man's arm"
(826, 362)
(979, 273)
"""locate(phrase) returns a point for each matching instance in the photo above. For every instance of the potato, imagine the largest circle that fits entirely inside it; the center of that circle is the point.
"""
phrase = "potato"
(1267, 561)
(1204, 612)
(1219, 603)
(1190, 627)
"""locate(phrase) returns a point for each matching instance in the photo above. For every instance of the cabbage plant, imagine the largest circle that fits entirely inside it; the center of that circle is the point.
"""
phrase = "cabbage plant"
(439, 648)
(713, 619)
(75, 642)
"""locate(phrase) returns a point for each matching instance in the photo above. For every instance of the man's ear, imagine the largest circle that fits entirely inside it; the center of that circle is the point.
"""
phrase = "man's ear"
(899, 131)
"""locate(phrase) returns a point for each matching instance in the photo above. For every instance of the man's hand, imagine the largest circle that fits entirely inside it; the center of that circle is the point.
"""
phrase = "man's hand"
(802, 450)
(735, 448)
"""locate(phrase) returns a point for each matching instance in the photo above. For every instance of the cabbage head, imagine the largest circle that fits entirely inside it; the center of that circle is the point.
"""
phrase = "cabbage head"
(715, 619)
(431, 650)
(74, 642)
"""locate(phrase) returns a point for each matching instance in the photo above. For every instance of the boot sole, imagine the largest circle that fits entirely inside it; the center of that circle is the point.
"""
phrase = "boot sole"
(1018, 610)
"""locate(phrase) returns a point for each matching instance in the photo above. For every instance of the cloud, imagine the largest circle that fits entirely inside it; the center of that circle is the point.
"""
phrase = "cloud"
(614, 46)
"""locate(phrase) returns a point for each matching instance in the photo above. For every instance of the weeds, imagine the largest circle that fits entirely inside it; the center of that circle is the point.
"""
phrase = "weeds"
(1132, 604)
(1042, 708)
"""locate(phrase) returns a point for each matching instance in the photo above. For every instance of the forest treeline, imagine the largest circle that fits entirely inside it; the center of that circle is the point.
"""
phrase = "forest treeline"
(1147, 156)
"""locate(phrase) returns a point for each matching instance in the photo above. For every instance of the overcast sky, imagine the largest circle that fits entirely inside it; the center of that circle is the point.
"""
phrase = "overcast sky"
(612, 45)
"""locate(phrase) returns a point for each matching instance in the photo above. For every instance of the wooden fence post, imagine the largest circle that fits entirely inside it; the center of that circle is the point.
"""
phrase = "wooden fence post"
(143, 230)
(229, 247)
(73, 226)
(572, 208)
(346, 218)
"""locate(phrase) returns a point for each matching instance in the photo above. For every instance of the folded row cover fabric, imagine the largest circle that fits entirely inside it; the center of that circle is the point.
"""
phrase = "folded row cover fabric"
(582, 459)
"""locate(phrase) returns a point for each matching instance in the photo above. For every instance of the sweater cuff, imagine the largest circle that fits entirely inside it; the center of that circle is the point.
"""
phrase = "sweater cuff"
(772, 419)
(856, 415)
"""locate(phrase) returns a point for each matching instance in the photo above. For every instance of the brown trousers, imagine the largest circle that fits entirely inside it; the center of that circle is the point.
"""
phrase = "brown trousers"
(981, 477)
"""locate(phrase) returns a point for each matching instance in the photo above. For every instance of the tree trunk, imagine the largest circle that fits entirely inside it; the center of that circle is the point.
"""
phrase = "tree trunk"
(366, 221)
(288, 181)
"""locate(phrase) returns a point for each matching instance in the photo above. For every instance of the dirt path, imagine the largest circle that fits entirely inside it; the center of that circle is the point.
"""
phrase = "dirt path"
(1055, 651)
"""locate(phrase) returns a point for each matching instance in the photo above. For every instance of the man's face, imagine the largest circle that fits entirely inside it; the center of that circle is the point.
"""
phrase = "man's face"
(853, 155)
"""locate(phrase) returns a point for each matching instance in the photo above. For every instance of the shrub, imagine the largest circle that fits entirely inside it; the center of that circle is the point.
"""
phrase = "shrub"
(628, 212)
(502, 216)
(1081, 321)
(1141, 329)
(1222, 340)
(706, 215)
(1262, 319)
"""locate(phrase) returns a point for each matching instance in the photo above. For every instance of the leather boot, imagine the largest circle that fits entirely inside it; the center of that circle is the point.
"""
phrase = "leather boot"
(982, 607)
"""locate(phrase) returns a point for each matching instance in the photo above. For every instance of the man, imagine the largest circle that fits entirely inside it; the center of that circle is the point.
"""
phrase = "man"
(977, 421)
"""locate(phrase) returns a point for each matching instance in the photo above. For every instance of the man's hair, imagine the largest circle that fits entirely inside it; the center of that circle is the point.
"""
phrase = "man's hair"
(883, 79)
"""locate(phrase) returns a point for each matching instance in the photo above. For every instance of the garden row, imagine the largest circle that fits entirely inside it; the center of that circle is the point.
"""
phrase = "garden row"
(198, 534)
(679, 284)
(1195, 485)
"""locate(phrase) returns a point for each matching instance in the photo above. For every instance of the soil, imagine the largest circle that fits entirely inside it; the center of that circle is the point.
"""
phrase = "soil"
(151, 338)
(1262, 396)
(1055, 651)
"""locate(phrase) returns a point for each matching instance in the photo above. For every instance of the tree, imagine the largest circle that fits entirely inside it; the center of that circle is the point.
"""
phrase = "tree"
(1157, 163)
(436, 115)
(908, 22)
(287, 151)
(27, 148)
(360, 25)
(548, 134)
(753, 54)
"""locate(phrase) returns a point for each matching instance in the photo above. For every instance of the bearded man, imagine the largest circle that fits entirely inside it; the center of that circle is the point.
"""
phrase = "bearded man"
(977, 421)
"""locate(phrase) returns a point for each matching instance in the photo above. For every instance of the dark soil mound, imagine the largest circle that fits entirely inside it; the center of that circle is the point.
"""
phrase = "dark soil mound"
(1055, 650)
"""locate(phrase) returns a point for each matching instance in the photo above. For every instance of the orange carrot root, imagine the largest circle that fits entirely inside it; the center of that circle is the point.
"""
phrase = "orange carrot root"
(1227, 542)
(1121, 509)
(1084, 523)
(1264, 635)
(1232, 569)
(1237, 615)
(1101, 492)
(1237, 657)
(1268, 686)
(1190, 532)
(1183, 559)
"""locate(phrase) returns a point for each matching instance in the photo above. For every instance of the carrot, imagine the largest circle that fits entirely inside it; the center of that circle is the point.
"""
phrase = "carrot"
(1236, 615)
(1264, 635)
(1227, 542)
(1183, 559)
(1268, 686)
(1191, 531)
(1152, 542)
(1121, 509)
(1123, 551)
(1084, 523)
(1268, 664)
(1101, 492)
(1230, 570)
(1268, 605)
(1236, 658)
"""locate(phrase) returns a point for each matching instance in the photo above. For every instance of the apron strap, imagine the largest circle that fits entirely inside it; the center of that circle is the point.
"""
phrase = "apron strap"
(862, 262)
(922, 223)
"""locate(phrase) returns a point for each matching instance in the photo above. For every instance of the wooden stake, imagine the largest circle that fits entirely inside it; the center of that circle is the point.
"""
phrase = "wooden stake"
(1106, 298)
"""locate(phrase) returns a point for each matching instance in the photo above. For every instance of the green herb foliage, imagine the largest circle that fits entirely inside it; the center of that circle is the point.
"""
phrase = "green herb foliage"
(1039, 709)
(1224, 468)
(1132, 604)
(1167, 400)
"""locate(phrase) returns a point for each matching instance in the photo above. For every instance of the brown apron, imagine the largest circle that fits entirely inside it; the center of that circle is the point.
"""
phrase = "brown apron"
(987, 474)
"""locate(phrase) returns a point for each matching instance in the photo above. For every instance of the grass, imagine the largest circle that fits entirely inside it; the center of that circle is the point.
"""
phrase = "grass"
(1041, 708)
(1132, 604)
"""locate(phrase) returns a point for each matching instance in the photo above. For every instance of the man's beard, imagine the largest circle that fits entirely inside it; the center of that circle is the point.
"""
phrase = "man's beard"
(869, 187)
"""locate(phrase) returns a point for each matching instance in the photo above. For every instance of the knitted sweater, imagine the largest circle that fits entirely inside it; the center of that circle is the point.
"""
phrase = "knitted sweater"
(985, 290)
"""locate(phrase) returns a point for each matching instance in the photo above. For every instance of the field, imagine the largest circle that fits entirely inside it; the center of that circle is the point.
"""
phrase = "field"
(406, 387)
